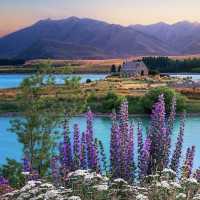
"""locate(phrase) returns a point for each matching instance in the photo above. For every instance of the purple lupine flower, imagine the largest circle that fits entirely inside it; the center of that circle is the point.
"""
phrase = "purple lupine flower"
(145, 159)
(130, 157)
(4, 186)
(89, 116)
(91, 150)
(157, 135)
(174, 165)
(191, 160)
(76, 148)
(114, 147)
(188, 164)
(65, 150)
(169, 130)
(172, 115)
(103, 157)
(197, 174)
(83, 158)
(3, 181)
(55, 170)
(140, 142)
(123, 137)
(26, 164)
(97, 161)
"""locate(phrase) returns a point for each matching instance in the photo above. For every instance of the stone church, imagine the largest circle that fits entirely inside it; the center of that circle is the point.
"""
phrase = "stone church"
(134, 68)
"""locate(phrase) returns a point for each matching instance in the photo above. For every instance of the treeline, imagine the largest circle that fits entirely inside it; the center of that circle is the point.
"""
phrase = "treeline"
(165, 64)
(15, 62)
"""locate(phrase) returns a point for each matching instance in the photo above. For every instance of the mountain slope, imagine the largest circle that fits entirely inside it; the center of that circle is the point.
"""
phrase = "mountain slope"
(183, 37)
(60, 50)
(96, 38)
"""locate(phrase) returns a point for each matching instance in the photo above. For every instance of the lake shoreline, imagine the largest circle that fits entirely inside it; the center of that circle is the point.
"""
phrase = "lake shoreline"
(16, 114)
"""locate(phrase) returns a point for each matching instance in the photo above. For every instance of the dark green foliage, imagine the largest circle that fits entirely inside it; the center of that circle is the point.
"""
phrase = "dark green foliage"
(119, 68)
(37, 130)
(12, 171)
(42, 115)
(73, 83)
(113, 69)
(111, 101)
(88, 81)
(9, 106)
(165, 64)
(104, 104)
(8, 62)
(134, 105)
(154, 72)
(137, 105)
(151, 97)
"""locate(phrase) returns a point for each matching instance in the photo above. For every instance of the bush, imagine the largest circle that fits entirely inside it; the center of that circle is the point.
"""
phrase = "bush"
(12, 171)
(135, 105)
(151, 97)
(111, 101)
(154, 72)
(104, 104)
(88, 80)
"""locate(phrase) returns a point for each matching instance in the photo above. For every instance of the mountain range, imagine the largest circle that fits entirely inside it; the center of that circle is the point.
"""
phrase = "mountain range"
(83, 38)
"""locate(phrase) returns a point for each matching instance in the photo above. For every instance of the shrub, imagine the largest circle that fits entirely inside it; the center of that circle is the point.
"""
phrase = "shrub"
(4, 186)
(12, 171)
(154, 72)
(104, 104)
(88, 80)
(151, 97)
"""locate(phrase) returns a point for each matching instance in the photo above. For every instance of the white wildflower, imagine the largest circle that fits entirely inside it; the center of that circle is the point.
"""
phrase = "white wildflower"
(74, 198)
(25, 173)
(192, 180)
(91, 176)
(120, 180)
(29, 185)
(78, 173)
(163, 184)
(196, 197)
(181, 196)
(141, 197)
(175, 185)
(170, 171)
(51, 194)
(102, 187)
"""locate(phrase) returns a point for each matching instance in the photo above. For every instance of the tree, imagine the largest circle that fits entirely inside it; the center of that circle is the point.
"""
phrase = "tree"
(119, 68)
(36, 130)
(42, 111)
(113, 69)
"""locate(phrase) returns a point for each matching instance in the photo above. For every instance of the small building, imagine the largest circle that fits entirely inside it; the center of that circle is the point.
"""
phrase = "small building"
(134, 68)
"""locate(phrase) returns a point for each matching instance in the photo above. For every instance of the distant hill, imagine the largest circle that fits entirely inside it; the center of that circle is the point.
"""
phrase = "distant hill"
(182, 37)
(74, 38)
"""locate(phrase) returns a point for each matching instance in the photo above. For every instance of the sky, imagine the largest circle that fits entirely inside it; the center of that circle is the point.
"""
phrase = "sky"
(16, 14)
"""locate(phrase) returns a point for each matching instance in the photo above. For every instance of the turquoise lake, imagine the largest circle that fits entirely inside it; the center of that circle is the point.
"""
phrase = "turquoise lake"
(14, 80)
(9, 146)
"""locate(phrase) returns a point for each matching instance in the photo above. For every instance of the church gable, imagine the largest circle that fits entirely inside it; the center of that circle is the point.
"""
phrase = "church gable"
(134, 68)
